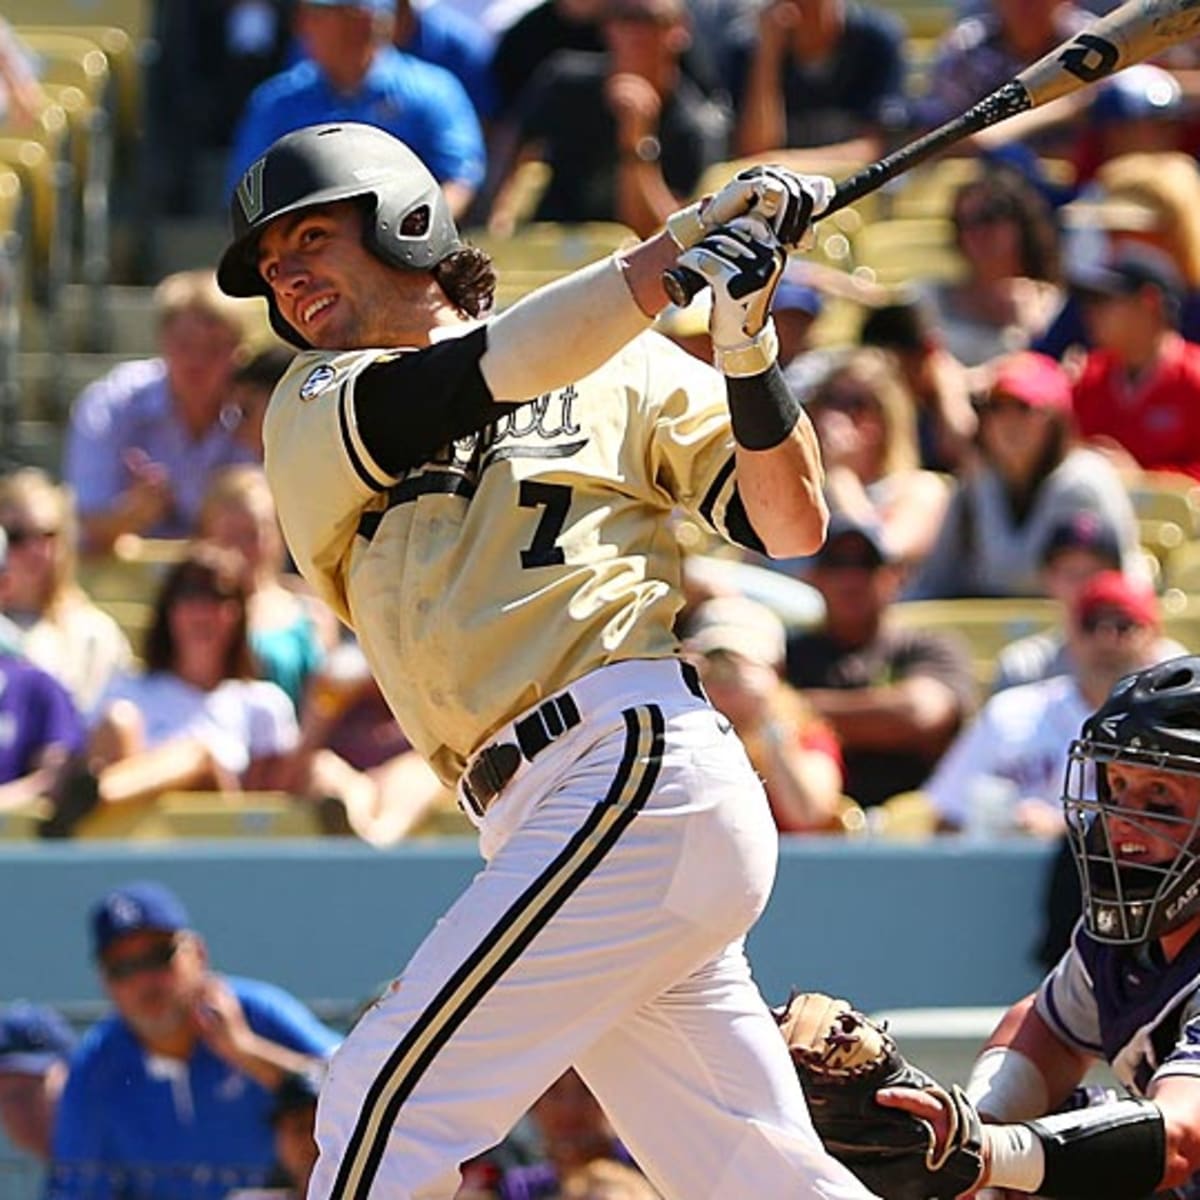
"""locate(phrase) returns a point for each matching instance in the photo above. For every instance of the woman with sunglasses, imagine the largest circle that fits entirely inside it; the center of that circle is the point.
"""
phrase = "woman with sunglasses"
(196, 718)
(1009, 290)
(62, 631)
(1030, 478)
(866, 423)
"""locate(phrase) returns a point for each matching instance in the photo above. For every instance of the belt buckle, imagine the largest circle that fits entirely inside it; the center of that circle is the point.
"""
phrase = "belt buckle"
(494, 766)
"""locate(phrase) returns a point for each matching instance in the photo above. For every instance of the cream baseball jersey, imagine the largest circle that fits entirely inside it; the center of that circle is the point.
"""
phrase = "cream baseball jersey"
(513, 560)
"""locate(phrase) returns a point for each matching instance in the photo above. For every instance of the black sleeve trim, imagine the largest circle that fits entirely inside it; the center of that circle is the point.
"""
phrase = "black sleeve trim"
(411, 405)
(709, 503)
(737, 524)
(348, 443)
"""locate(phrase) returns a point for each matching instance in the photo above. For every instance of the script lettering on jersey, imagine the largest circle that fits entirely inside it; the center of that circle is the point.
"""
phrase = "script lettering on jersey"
(542, 428)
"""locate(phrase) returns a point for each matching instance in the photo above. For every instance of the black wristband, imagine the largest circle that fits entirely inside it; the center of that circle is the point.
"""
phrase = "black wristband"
(1116, 1149)
(762, 409)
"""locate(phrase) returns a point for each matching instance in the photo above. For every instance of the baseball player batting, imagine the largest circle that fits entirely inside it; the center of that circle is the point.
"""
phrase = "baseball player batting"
(487, 503)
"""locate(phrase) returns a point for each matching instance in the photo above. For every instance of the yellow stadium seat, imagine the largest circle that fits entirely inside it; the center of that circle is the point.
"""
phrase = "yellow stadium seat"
(1183, 568)
(552, 247)
(924, 20)
(545, 250)
(204, 815)
(1160, 539)
(76, 76)
(133, 572)
(13, 244)
(124, 64)
(1166, 496)
(21, 824)
(987, 625)
(929, 189)
(133, 616)
(1181, 618)
(896, 251)
(133, 16)
(38, 158)
(909, 816)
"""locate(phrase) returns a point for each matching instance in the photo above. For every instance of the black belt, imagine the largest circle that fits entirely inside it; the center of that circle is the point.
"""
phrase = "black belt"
(495, 765)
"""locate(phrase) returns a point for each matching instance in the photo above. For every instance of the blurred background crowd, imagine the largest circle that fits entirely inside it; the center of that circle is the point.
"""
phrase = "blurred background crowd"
(1000, 351)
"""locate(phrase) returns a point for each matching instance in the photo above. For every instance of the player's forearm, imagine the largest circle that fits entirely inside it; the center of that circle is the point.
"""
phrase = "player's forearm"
(567, 329)
(781, 492)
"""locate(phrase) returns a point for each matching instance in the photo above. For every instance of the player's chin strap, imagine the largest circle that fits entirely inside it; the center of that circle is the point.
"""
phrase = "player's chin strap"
(1115, 1149)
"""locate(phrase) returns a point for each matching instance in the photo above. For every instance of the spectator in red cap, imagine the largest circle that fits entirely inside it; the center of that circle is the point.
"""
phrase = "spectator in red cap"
(1138, 398)
(1079, 547)
(1021, 735)
(1030, 478)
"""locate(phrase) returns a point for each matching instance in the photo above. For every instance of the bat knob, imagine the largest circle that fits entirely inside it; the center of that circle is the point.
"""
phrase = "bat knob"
(682, 285)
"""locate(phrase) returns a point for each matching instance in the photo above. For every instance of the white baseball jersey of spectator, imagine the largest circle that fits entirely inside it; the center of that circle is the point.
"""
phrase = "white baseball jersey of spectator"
(239, 720)
(1021, 734)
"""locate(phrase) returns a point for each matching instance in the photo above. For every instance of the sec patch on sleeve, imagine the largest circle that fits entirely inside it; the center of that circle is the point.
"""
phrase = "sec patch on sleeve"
(319, 380)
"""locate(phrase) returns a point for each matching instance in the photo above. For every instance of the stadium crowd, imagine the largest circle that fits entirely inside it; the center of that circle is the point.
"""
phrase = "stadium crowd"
(1005, 414)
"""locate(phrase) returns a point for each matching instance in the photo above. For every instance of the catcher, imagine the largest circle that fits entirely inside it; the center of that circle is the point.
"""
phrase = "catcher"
(1126, 992)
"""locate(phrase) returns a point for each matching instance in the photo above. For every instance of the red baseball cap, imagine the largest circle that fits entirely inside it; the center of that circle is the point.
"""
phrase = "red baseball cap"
(1036, 379)
(1116, 592)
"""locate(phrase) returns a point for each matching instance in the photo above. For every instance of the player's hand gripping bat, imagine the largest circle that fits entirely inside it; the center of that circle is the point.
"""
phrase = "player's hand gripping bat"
(1135, 31)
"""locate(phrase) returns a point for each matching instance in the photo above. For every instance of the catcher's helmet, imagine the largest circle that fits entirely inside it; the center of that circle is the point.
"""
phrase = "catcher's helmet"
(407, 224)
(1151, 719)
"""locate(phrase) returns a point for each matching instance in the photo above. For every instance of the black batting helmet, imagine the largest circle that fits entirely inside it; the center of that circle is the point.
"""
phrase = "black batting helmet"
(408, 223)
(1151, 719)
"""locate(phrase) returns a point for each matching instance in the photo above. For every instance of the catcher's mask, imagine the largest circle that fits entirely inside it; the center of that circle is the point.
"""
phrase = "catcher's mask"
(1151, 719)
(406, 222)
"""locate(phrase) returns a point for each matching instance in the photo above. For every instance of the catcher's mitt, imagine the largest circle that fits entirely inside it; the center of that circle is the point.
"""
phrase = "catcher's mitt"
(843, 1059)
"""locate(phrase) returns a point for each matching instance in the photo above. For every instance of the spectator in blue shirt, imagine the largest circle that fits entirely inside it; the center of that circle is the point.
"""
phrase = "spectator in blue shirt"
(144, 439)
(35, 1044)
(353, 73)
(439, 34)
(819, 73)
(173, 1093)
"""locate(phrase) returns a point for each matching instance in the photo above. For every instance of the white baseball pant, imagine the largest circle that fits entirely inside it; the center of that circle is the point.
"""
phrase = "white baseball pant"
(625, 865)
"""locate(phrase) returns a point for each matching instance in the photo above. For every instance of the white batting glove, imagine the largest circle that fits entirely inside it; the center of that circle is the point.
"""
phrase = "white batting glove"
(786, 201)
(742, 262)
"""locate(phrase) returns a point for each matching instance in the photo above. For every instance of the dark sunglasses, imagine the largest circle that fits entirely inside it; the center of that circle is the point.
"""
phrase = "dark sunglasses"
(201, 589)
(853, 404)
(157, 958)
(990, 215)
(1005, 404)
(19, 537)
(1117, 622)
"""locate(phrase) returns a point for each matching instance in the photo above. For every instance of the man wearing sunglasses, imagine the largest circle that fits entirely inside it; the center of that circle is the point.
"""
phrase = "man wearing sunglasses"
(177, 1085)
(1022, 734)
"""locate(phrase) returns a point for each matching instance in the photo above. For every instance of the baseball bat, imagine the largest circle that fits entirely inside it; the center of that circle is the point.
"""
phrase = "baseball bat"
(1127, 35)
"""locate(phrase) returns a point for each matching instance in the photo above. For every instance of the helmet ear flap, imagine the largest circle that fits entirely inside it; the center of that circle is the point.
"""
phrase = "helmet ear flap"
(283, 329)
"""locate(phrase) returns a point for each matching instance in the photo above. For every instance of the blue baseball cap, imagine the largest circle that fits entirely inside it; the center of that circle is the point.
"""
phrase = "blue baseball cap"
(136, 908)
(791, 294)
(1135, 93)
(33, 1038)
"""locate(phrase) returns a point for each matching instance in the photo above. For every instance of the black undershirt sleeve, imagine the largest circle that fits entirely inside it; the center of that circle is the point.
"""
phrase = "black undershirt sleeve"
(410, 406)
